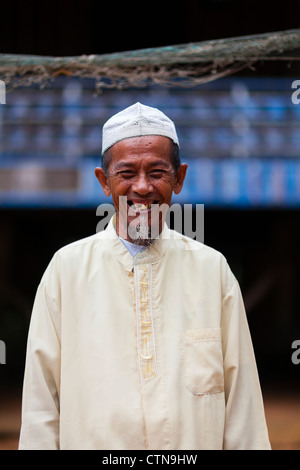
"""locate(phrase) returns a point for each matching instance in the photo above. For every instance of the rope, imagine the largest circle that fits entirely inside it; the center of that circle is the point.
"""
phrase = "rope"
(179, 65)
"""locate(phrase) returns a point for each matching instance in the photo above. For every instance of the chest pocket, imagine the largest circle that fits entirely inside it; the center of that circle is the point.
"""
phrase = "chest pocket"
(203, 361)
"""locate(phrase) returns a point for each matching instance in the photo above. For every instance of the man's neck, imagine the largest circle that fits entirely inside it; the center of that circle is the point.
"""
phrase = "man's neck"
(133, 248)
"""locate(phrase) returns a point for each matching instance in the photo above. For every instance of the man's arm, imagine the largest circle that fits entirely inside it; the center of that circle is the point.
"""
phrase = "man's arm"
(245, 426)
(40, 406)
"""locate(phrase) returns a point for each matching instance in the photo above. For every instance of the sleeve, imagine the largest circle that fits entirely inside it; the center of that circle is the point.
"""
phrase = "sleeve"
(245, 424)
(40, 402)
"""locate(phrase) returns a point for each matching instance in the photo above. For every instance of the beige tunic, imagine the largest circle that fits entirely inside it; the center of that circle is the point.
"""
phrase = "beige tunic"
(151, 352)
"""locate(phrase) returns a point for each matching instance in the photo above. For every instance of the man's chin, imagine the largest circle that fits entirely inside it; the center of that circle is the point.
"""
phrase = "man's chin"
(141, 235)
(142, 241)
(142, 230)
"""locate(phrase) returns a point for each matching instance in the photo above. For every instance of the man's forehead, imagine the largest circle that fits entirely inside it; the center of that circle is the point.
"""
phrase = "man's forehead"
(150, 146)
(142, 150)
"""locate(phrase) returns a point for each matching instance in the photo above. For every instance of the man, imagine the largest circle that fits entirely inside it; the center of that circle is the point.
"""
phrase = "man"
(138, 337)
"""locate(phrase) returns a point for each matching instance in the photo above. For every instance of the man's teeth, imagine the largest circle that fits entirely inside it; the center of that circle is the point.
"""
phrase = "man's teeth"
(141, 207)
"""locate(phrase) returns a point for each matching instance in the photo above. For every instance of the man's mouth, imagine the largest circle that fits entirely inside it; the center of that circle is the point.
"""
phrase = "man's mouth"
(141, 206)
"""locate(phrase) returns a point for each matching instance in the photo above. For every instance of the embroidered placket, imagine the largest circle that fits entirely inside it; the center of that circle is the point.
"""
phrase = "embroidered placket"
(144, 321)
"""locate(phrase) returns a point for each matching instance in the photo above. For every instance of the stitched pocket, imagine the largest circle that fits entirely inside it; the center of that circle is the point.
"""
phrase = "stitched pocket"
(203, 361)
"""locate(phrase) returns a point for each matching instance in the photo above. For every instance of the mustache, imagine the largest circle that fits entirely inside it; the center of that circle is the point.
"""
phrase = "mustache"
(133, 206)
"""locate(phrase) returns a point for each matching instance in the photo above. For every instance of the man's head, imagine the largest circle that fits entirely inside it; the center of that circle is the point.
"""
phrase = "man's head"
(140, 169)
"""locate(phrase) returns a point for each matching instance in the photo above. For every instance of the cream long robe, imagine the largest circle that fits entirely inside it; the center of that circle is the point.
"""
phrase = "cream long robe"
(153, 353)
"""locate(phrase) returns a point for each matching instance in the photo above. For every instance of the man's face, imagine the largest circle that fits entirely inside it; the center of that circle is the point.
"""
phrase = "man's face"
(141, 180)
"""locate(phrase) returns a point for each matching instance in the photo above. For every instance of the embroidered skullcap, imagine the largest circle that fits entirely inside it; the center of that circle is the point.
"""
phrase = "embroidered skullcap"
(135, 121)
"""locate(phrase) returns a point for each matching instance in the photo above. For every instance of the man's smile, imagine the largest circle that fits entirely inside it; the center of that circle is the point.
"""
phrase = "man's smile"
(141, 206)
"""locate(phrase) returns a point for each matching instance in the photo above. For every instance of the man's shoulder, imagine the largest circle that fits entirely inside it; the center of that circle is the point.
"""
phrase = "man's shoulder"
(194, 246)
(77, 256)
(202, 258)
(81, 242)
(82, 245)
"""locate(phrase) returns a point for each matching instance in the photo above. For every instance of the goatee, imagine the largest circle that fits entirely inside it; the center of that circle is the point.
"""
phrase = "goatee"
(140, 234)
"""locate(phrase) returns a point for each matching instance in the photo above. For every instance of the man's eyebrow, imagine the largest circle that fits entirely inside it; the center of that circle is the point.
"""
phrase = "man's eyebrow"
(160, 163)
(122, 165)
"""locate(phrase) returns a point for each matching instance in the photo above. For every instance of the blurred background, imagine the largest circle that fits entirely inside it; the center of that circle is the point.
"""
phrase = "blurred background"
(239, 135)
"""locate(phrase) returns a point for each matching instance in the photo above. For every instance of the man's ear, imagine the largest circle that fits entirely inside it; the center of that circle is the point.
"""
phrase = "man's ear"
(102, 178)
(181, 172)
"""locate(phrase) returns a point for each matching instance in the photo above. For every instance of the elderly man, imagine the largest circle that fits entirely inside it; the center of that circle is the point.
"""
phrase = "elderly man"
(138, 337)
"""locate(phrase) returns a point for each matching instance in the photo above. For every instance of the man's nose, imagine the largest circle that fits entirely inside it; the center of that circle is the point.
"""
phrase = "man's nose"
(142, 185)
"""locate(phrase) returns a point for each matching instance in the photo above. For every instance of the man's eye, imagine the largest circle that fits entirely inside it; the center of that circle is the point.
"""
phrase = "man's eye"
(126, 173)
(157, 173)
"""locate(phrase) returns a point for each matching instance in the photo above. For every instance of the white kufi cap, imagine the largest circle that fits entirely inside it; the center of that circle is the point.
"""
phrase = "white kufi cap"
(135, 121)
